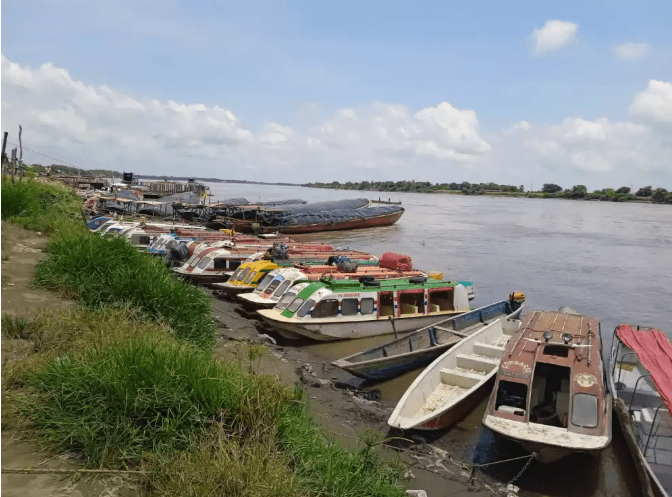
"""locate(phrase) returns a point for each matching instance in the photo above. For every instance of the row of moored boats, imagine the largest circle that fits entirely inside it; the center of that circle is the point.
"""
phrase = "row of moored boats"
(551, 390)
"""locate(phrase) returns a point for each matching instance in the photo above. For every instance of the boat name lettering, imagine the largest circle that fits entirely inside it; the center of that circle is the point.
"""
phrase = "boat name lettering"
(350, 295)
(525, 367)
(515, 374)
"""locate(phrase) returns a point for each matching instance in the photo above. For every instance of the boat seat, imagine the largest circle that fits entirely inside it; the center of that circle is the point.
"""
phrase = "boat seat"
(386, 310)
(663, 428)
(409, 309)
(477, 362)
(434, 308)
(459, 378)
(489, 350)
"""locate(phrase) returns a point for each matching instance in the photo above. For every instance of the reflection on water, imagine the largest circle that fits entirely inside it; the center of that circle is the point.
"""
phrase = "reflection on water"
(608, 260)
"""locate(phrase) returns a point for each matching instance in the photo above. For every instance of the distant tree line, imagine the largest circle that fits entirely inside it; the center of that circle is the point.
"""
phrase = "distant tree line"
(549, 190)
(73, 171)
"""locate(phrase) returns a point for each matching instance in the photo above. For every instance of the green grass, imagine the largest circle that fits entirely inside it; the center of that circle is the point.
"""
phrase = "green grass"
(45, 207)
(108, 272)
(129, 379)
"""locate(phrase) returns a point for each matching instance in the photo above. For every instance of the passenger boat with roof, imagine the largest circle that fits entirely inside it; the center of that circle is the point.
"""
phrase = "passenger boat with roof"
(551, 394)
(456, 381)
(271, 276)
(422, 346)
(217, 264)
(331, 309)
(641, 380)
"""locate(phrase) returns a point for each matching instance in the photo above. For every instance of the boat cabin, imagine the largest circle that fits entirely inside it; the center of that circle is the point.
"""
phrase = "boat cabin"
(551, 380)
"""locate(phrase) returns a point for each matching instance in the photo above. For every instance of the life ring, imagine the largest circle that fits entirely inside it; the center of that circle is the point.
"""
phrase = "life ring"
(362, 279)
(417, 279)
(371, 283)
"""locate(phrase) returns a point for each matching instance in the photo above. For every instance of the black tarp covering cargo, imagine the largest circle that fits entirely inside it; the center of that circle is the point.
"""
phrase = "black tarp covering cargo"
(333, 216)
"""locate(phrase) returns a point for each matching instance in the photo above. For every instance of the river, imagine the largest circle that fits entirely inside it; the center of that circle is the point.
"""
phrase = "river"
(605, 259)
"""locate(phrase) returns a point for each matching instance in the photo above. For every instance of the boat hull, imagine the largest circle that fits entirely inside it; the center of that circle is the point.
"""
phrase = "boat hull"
(422, 346)
(339, 329)
(532, 437)
(371, 222)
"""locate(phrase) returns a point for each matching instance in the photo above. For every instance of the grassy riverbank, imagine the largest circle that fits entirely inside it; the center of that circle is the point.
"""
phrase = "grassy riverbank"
(129, 381)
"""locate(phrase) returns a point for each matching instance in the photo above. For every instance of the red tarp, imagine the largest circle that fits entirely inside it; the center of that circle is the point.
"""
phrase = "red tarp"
(392, 260)
(655, 352)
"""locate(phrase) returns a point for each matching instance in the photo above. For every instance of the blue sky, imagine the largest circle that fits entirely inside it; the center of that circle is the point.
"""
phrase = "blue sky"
(514, 92)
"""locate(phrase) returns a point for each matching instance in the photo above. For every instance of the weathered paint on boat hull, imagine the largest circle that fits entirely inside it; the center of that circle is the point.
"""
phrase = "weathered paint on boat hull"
(533, 438)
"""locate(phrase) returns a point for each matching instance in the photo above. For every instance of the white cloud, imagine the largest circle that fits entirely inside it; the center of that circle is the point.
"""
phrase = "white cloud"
(62, 117)
(654, 104)
(630, 51)
(100, 127)
(554, 35)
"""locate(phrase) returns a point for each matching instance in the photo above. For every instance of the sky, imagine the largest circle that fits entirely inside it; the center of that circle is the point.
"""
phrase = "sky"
(518, 93)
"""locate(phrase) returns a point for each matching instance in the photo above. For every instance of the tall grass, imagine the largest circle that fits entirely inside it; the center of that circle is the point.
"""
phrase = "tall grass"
(108, 272)
(46, 207)
(145, 394)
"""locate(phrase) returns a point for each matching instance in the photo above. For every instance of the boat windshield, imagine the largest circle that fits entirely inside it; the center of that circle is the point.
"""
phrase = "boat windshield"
(250, 277)
(286, 299)
(274, 284)
(295, 304)
(282, 287)
(241, 276)
(268, 277)
(234, 276)
(584, 410)
(303, 310)
(204, 262)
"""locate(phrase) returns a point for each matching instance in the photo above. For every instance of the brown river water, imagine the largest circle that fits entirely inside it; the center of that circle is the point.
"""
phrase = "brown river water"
(605, 259)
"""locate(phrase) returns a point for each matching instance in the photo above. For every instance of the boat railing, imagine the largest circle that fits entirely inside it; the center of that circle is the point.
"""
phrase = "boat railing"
(653, 426)
(634, 390)
(620, 370)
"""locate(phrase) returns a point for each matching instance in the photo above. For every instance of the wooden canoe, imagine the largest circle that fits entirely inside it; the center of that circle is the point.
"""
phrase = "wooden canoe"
(422, 346)
(450, 386)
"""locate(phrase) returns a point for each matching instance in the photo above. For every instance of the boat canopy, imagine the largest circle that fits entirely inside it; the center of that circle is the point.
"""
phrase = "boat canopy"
(654, 351)
(314, 207)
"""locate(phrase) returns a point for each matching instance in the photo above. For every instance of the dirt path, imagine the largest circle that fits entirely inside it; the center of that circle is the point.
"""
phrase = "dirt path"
(21, 250)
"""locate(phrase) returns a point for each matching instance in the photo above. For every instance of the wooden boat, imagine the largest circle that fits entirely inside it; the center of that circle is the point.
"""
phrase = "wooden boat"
(424, 345)
(450, 386)
(640, 366)
(550, 393)
(338, 309)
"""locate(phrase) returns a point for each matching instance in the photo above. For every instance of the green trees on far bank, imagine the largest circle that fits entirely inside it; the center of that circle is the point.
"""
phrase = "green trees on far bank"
(548, 190)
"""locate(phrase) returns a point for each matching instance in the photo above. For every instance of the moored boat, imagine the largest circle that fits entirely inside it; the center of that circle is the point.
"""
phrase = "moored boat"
(424, 345)
(640, 378)
(277, 276)
(452, 385)
(550, 394)
(217, 264)
(341, 309)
